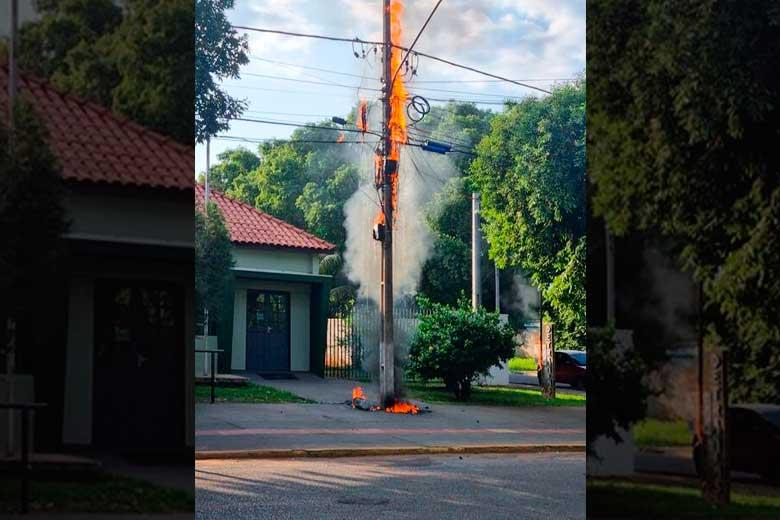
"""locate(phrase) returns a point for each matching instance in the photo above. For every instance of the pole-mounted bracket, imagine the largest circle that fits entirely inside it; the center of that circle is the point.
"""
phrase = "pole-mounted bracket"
(378, 232)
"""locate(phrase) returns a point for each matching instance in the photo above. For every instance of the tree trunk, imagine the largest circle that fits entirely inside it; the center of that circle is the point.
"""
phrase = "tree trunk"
(714, 448)
(547, 373)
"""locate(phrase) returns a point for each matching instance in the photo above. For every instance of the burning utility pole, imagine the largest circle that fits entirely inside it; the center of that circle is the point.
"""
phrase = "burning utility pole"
(387, 170)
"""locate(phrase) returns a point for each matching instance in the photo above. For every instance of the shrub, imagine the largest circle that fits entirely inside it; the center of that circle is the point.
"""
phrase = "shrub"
(456, 344)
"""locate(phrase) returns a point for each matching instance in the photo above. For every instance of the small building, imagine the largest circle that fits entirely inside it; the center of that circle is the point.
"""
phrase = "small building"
(275, 317)
(108, 351)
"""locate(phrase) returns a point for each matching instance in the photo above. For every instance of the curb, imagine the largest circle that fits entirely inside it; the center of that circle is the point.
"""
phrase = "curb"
(386, 451)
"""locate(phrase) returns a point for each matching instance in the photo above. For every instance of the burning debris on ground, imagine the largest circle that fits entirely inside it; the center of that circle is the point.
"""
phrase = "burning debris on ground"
(360, 402)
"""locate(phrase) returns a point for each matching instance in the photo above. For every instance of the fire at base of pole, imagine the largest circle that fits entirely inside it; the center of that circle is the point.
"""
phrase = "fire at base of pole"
(360, 402)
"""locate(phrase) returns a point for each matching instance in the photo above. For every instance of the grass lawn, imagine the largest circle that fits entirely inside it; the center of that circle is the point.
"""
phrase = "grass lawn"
(249, 393)
(495, 395)
(522, 364)
(101, 493)
(653, 433)
(624, 499)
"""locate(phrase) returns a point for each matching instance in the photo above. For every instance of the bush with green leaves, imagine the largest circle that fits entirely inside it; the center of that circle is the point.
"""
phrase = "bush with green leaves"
(617, 394)
(456, 344)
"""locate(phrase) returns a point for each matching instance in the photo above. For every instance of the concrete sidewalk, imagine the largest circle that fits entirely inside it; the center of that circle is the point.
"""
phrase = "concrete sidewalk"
(237, 428)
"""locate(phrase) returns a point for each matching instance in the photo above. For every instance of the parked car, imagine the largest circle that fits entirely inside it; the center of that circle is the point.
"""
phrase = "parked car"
(570, 368)
(754, 440)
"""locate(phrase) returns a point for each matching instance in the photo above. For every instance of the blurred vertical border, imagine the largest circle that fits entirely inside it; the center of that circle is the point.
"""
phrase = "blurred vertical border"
(683, 282)
(97, 256)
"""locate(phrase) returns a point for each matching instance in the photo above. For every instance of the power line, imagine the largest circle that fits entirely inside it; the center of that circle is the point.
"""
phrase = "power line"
(299, 125)
(260, 140)
(328, 71)
(360, 87)
(418, 53)
(406, 56)
(488, 80)
(298, 80)
(414, 82)
(286, 113)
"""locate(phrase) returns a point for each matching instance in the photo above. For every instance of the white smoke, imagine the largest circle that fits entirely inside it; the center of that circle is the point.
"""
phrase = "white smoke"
(421, 175)
(522, 298)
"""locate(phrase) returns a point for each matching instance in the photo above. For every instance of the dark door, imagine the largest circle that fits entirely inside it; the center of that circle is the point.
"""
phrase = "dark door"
(268, 331)
(139, 366)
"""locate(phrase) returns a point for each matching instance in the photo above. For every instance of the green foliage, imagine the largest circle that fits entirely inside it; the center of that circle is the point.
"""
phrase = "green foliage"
(219, 54)
(684, 145)
(456, 344)
(135, 59)
(278, 181)
(618, 396)
(213, 262)
(323, 205)
(233, 164)
(530, 171)
(447, 273)
(153, 51)
(32, 216)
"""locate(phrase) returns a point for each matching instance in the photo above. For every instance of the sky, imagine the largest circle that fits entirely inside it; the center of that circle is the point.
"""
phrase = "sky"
(538, 40)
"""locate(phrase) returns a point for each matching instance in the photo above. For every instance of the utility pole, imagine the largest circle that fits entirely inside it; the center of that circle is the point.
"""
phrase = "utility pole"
(10, 356)
(205, 215)
(388, 170)
(13, 22)
(498, 290)
(476, 286)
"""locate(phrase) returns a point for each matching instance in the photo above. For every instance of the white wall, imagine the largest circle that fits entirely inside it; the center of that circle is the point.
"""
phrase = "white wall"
(300, 295)
(120, 218)
(276, 260)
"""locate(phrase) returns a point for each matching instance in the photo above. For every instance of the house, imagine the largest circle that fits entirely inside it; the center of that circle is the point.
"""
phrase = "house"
(276, 313)
(108, 352)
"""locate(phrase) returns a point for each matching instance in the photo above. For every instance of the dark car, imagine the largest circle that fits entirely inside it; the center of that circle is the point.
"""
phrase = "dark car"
(570, 368)
(754, 440)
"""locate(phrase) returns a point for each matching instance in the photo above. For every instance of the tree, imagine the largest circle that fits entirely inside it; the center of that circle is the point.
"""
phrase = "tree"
(323, 205)
(278, 182)
(134, 58)
(219, 54)
(232, 165)
(684, 146)
(530, 171)
(32, 217)
(213, 262)
(66, 28)
(457, 344)
(153, 53)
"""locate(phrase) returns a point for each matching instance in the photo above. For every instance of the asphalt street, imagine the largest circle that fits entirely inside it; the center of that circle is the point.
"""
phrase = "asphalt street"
(535, 486)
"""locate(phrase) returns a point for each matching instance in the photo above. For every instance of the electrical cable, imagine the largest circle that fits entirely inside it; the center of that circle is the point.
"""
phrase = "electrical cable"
(423, 54)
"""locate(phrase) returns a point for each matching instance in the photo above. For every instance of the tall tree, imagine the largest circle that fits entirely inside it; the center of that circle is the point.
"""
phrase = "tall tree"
(32, 216)
(530, 171)
(133, 57)
(233, 164)
(213, 261)
(683, 144)
(153, 52)
(219, 54)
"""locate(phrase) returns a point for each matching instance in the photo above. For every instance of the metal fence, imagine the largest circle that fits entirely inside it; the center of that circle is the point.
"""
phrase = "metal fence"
(352, 349)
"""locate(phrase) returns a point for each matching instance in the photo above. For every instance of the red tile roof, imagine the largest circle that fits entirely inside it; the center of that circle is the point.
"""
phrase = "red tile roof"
(250, 226)
(93, 144)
